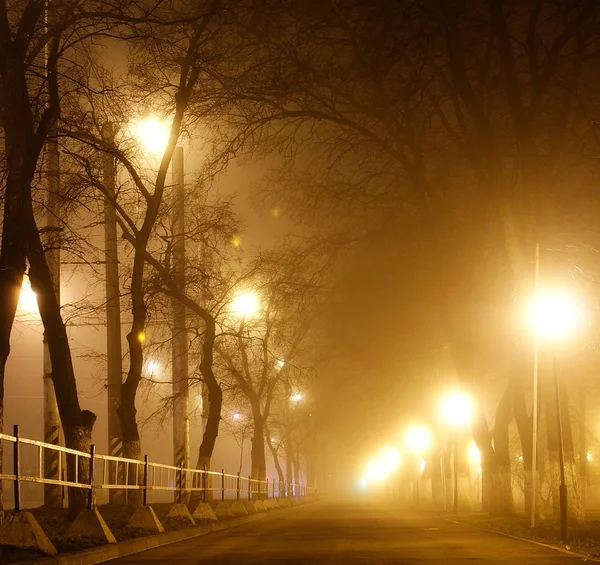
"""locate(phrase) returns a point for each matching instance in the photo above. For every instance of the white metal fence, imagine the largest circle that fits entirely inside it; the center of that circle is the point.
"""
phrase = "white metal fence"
(108, 472)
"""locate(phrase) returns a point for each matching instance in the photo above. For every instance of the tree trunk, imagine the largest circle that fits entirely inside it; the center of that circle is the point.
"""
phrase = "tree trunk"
(215, 402)
(257, 455)
(275, 455)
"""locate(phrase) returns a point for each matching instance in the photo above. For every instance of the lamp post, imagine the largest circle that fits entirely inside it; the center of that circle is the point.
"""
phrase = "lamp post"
(456, 411)
(554, 315)
(417, 440)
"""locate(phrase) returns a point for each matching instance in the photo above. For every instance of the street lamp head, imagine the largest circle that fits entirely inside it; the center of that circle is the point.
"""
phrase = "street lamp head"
(554, 314)
(457, 409)
(296, 397)
(245, 304)
(27, 299)
(417, 439)
(153, 134)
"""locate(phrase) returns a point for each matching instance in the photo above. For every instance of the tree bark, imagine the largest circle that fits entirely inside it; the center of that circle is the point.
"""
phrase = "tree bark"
(257, 455)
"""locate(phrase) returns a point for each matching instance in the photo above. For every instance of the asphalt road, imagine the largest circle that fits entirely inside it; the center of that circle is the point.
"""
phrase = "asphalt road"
(351, 532)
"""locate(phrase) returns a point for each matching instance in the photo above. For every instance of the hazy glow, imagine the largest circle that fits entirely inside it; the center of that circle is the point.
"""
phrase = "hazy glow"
(280, 364)
(381, 467)
(457, 409)
(296, 397)
(474, 454)
(245, 304)
(141, 337)
(153, 134)
(27, 299)
(237, 417)
(417, 439)
(554, 314)
(421, 464)
(152, 367)
(589, 456)
(236, 241)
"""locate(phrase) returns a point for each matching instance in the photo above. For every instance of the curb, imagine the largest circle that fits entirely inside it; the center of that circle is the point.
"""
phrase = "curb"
(137, 545)
(518, 538)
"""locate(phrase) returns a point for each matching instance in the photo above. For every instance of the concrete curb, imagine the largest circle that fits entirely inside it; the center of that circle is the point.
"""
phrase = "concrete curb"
(137, 545)
(518, 538)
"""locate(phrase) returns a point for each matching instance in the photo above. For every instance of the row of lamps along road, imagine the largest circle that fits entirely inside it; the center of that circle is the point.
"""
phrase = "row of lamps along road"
(552, 316)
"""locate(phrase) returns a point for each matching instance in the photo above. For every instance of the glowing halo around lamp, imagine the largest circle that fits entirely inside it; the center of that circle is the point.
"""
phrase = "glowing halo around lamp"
(457, 409)
(245, 304)
(554, 314)
(153, 134)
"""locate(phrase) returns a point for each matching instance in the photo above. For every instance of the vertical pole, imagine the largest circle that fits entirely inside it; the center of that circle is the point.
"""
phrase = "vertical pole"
(180, 489)
(583, 452)
(204, 484)
(145, 492)
(249, 487)
(17, 468)
(113, 317)
(179, 340)
(52, 493)
(222, 485)
(561, 460)
(455, 472)
(273, 494)
(92, 464)
(237, 489)
(534, 411)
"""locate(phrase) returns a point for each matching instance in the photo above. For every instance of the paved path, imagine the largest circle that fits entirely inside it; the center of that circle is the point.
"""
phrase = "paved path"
(351, 533)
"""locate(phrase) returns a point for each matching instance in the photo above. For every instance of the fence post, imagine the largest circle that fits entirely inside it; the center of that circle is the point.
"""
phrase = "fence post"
(237, 496)
(180, 490)
(222, 485)
(145, 492)
(249, 487)
(204, 484)
(17, 468)
(273, 489)
(62, 476)
(92, 461)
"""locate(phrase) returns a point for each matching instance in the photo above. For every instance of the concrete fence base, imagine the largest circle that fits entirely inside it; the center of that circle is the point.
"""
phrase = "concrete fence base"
(90, 524)
(22, 530)
(145, 518)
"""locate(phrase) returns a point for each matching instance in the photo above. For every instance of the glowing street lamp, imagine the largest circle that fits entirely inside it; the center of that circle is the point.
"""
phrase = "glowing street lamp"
(27, 299)
(153, 134)
(296, 397)
(553, 315)
(417, 440)
(457, 412)
(379, 469)
(246, 304)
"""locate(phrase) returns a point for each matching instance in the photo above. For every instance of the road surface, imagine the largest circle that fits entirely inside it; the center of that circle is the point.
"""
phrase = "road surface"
(353, 533)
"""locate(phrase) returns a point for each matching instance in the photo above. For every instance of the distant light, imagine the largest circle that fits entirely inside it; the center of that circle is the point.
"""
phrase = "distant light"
(27, 298)
(152, 367)
(417, 439)
(276, 212)
(273, 440)
(521, 458)
(296, 397)
(474, 454)
(381, 467)
(237, 417)
(280, 363)
(141, 337)
(457, 409)
(236, 241)
(246, 304)
(555, 314)
(153, 134)
(589, 456)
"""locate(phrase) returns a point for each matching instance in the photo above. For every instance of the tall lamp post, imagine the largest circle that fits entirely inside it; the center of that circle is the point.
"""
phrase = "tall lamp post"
(554, 316)
(456, 411)
(417, 440)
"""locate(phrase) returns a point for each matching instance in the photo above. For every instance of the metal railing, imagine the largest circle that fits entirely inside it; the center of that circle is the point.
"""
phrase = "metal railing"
(108, 472)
